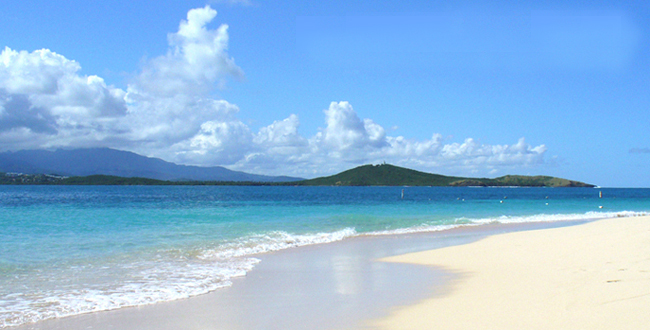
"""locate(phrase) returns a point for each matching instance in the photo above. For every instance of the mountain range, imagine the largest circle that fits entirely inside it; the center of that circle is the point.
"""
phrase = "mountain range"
(105, 161)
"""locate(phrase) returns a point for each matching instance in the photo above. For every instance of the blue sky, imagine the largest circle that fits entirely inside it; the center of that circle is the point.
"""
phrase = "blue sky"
(306, 88)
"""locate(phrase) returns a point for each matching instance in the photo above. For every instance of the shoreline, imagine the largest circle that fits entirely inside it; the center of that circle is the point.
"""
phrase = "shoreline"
(340, 284)
(592, 276)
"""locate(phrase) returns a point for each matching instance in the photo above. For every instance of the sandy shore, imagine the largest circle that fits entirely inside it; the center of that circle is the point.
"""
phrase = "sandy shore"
(591, 276)
(523, 276)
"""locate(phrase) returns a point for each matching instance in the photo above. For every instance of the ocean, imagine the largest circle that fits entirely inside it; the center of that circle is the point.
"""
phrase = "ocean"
(67, 250)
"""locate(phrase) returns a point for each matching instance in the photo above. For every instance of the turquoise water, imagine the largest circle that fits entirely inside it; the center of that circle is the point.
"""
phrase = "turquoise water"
(67, 250)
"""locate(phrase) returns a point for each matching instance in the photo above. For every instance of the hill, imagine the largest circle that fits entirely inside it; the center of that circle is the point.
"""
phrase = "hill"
(111, 162)
(390, 175)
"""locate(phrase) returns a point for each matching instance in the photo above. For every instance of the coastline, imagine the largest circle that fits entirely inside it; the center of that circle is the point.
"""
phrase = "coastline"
(337, 285)
(592, 276)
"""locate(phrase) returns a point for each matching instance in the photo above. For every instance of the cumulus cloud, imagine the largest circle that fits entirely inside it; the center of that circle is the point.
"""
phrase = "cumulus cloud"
(345, 131)
(282, 137)
(51, 82)
(197, 57)
(217, 142)
(168, 110)
(170, 99)
(46, 103)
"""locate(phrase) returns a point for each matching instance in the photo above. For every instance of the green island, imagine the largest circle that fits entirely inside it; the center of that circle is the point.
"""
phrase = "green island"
(390, 175)
(365, 175)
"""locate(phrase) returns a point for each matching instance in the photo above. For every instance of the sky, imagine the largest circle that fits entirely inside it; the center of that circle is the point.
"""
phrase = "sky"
(311, 88)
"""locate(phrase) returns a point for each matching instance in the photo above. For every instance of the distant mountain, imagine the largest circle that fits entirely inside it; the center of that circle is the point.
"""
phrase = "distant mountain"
(390, 175)
(105, 161)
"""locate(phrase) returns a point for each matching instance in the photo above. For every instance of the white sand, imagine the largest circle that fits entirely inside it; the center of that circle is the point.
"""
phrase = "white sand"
(591, 276)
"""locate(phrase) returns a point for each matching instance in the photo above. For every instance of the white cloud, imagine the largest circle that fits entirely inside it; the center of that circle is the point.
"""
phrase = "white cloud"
(345, 131)
(168, 111)
(51, 82)
(46, 103)
(196, 59)
(170, 102)
(217, 142)
(281, 137)
(33, 73)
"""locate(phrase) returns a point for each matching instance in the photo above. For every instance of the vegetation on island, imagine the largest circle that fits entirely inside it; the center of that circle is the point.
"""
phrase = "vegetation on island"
(521, 181)
(390, 175)
(381, 175)
(366, 175)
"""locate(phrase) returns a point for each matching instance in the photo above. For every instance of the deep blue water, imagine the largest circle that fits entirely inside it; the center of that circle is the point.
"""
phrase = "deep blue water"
(66, 250)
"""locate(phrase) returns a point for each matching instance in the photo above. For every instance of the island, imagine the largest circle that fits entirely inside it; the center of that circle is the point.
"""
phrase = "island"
(391, 175)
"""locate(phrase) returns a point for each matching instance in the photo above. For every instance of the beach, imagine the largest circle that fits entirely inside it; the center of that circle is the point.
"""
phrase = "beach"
(560, 275)
(591, 276)
(340, 285)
